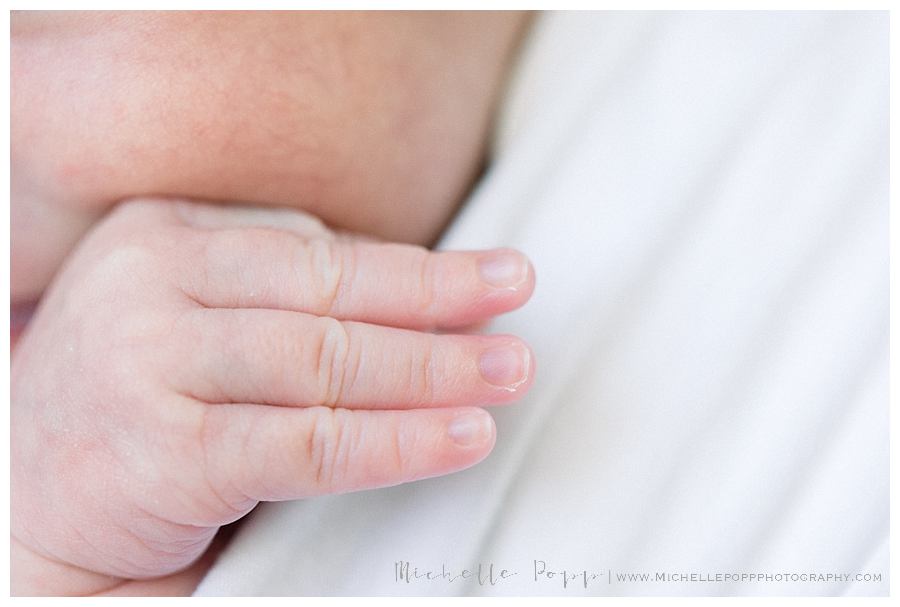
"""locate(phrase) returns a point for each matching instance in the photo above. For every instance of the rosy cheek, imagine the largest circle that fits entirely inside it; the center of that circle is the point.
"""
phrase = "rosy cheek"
(372, 121)
(158, 106)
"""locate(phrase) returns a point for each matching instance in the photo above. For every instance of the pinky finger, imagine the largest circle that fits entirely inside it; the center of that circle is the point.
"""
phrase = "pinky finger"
(277, 453)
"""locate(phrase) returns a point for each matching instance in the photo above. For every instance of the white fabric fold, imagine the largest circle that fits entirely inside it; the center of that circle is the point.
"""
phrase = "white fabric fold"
(705, 200)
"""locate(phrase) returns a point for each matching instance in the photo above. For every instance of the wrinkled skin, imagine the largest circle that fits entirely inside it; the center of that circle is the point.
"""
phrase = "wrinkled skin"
(192, 360)
(188, 360)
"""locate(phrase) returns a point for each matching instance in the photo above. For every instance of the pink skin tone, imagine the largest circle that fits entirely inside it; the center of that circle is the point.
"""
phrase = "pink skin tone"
(187, 360)
(191, 360)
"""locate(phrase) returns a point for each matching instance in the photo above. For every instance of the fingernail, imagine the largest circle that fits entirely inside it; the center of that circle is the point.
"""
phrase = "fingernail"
(506, 366)
(503, 269)
(470, 428)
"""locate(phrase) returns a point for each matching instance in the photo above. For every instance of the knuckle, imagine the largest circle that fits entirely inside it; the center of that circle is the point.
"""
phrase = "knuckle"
(421, 380)
(399, 449)
(331, 374)
(217, 245)
(131, 248)
(122, 278)
(235, 251)
(331, 445)
(322, 266)
(426, 283)
(139, 216)
(221, 244)
(245, 240)
(126, 259)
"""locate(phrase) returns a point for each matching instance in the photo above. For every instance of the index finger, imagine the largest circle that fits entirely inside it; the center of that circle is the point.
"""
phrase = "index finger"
(390, 284)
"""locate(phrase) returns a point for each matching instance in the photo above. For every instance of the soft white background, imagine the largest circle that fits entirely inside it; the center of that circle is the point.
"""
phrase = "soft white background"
(705, 199)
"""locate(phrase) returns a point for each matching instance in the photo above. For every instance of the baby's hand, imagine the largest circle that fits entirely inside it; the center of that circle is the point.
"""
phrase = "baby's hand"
(191, 360)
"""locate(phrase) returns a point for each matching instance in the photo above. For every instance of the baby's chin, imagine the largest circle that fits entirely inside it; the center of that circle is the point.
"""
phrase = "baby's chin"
(375, 122)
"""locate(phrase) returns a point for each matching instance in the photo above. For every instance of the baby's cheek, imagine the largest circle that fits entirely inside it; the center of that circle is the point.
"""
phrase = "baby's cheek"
(374, 121)
(158, 105)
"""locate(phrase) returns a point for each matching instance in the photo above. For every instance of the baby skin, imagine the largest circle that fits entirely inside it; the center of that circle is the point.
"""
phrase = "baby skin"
(192, 355)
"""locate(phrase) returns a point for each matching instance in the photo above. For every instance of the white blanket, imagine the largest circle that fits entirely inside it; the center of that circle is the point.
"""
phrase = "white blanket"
(705, 199)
